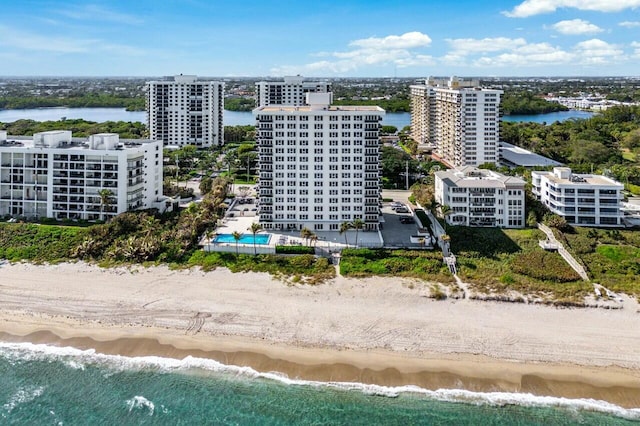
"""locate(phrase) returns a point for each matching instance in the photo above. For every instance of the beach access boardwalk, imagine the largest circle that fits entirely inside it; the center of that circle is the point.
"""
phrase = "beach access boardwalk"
(552, 243)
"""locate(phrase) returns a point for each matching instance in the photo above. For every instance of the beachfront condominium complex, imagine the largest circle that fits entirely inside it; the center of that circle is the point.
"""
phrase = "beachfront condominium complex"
(291, 91)
(186, 111)
(459, 118)
(319, 164)
(479, 197)
(423, 113)
(581, 199)
(54, 175)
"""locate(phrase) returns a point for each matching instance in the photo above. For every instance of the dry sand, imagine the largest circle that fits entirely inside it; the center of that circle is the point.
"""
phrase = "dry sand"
(381, 330)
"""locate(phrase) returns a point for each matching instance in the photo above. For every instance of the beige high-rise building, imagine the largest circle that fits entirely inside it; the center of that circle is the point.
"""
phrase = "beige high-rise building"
(459, 118)
(423, 112)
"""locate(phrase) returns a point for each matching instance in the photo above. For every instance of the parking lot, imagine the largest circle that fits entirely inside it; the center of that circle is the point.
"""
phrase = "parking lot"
(394, 232)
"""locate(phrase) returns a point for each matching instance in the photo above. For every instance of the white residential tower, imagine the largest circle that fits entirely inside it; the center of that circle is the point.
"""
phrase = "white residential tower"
(319, 164)
(291, 91)
(185, 111)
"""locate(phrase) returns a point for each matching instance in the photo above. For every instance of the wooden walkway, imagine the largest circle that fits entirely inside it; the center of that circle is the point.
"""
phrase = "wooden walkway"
(552, 241)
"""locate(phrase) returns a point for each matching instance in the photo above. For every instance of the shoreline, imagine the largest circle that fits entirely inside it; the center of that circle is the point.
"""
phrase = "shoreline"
(473, 373)
(374, 331)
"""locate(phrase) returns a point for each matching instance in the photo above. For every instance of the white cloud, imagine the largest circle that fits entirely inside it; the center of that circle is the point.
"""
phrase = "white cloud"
(93, 12)
(23, 40)
(465, 46)
(537, 7)
(397, 50)
(534, 54)
(576, 27)
(598, 52)
(636, 52)
(518, 53)
(630, 24)
(29, 41)
(405, 41)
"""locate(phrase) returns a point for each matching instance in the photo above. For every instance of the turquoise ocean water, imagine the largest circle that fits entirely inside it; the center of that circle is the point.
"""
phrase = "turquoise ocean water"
(46, 385)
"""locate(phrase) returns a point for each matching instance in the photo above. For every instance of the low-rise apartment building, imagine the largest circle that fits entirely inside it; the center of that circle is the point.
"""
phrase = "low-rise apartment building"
(55, 175)
(581, 199)
(479, 197)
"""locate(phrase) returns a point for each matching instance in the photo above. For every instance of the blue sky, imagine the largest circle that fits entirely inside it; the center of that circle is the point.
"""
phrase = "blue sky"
(369, 38)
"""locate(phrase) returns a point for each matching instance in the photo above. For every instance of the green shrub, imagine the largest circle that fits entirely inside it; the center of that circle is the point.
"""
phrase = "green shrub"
(404, 263)
(295, 250)
(543, 265)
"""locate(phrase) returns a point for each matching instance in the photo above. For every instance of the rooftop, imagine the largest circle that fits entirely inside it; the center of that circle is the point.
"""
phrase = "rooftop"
(307, 108)
(472, 177)
(564, 176)
(516, 156)
(23, 142)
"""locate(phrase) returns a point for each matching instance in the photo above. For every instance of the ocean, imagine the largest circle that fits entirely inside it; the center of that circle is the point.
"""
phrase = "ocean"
(48, 385)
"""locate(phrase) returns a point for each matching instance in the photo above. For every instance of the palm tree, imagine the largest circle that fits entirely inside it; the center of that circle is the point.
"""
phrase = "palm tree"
(445, 211)
(344, 227)
(255, 228)
(357, 224)
(313, 238)
(306, 233)
(236, 236)
(105, 200)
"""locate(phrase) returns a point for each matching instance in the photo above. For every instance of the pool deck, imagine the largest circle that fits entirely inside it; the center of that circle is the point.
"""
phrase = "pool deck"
(327, 240)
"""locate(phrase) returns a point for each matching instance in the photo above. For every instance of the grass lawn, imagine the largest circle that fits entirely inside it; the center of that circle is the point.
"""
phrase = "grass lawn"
(611, 257)
(502, 260)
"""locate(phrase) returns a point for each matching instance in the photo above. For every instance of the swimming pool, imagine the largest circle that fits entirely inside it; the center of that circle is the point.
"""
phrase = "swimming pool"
(261, 239)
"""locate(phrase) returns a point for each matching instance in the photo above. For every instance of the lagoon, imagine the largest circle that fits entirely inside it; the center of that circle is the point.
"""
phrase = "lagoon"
(231, 118)
(236, 118)
(549, 118)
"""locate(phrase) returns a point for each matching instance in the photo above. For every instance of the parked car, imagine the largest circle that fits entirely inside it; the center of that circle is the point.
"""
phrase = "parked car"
(402, 209)
(395, 204)
(406, 219)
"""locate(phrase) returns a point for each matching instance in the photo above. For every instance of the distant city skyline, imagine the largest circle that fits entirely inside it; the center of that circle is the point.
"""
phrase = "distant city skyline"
(352, 38)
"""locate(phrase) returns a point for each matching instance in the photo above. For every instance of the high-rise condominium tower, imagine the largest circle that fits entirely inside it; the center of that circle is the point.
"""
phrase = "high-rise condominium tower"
(319, 164)
(458, 117)
(291, 91)
(184, 111)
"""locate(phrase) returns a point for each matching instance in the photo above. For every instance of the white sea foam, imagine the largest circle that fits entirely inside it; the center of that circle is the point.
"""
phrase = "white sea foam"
(30, 351)
(22, 396)
(141, 403)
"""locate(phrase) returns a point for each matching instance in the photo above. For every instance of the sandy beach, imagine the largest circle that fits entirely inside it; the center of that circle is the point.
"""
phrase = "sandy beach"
(383, 330)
